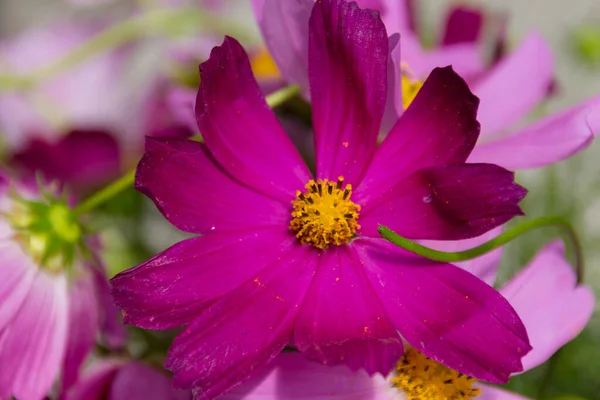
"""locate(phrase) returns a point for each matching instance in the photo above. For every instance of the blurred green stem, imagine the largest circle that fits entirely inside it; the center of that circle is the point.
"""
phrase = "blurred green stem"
(166, 21)
(126, 181)
(569, 236)
(110, 191)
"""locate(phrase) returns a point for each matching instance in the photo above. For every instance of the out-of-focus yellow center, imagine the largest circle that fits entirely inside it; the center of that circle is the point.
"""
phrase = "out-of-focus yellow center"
(324, 215)
(410, 88)
(263, 65)
(421, 378)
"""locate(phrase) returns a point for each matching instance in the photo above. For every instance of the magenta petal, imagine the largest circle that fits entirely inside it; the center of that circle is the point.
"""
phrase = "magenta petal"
(515, 85)
(464, 58)
(463, 26)
(83, 158)
(292, 377)
(446, 203)
(35, 340)
(438, 128)
(197, 196)
(284, 26)
(342, 321)
(244, 330)
(94, 385)
(19, 273)
(484, 267)
(495, 393)
(393, 106)
(112, 331)
(348, 84)
(83, 327)
(548, 140)
(397, 15)
(446, 313)
(240, 129)
(173, 287)
(136, 381)
(551, 304)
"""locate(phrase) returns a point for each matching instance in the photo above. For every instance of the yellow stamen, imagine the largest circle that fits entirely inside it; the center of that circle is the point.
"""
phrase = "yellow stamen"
(410, 88)
(324, 215)
(263, 65)
(421, 378)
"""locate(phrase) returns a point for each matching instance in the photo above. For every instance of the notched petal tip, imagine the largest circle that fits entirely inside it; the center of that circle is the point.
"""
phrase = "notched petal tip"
(451, 80)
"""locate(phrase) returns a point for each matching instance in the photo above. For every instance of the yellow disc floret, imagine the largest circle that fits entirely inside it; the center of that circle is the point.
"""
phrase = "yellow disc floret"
(410, 88)
(324, 215)
(263, 65)
(421, 378)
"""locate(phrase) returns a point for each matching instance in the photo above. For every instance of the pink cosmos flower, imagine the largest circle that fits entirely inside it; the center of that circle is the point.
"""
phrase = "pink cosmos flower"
(117, 379)
(508, 89)
(49, 316)
(552, 306)
(285, 257)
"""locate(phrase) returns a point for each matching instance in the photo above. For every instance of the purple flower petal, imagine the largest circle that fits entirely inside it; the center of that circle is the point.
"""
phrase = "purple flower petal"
(94, 385)
(495, 393)
(15, 286)
(348, 83)
(342, 321)
(551, 304)
(284, 26)
(173, 287)
(112, 331)
(393, 105)
(197, 196)
(241, 131)
(438, 128)
(136, 381)
(83, 159)
(446, 203)
(397, 15)
(465, 58)
(549, 140)
(244, 330)
(515, 85)
(35, 339)
(83, 327)
(446, 313)
(463, 26)
(484, 267)
(292, 377)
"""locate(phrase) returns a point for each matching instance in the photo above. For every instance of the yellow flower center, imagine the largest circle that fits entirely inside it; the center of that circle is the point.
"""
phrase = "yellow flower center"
(410, 88)
(324, 215)
(263, 65)
(421, 378)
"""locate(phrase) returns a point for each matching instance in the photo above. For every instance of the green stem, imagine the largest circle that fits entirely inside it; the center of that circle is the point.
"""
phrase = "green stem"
(110, 191)
(502, 239)
(282, 95)
(153, 22)
(126, 181)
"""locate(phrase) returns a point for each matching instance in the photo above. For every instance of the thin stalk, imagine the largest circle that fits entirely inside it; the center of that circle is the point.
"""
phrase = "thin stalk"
(569, 236)
(165, 21)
